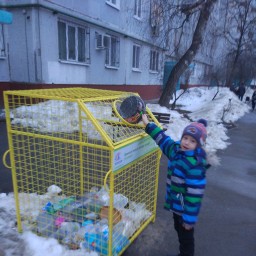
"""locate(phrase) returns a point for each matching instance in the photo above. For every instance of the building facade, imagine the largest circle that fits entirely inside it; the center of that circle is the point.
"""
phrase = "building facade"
(113, 44)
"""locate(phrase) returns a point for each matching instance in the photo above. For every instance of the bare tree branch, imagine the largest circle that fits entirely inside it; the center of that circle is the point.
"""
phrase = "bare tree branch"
(186, 59)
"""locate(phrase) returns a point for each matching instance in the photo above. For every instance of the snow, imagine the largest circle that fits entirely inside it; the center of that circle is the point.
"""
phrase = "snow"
(197, 101)
(225, 107)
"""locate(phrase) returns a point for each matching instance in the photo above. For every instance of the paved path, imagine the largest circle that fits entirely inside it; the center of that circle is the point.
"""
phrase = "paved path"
(227, 224)
(5, 173)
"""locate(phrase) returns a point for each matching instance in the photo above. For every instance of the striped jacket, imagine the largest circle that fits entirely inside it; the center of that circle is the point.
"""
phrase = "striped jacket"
(185, 177)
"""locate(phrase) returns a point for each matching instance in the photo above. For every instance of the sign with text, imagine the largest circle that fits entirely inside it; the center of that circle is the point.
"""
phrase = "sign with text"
(133, 151)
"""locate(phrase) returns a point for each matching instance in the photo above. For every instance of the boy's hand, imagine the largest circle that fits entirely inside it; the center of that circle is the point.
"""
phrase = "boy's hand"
(145, 119)
(187, 226)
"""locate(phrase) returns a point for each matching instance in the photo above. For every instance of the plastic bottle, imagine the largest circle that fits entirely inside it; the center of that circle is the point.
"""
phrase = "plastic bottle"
(102, 228)
(90, 235)
(70, 207)
(45, 224)
(62, 203)
(67, 231)
(119, 241)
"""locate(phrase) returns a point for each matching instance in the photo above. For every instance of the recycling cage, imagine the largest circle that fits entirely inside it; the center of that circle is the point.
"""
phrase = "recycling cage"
(81, 174)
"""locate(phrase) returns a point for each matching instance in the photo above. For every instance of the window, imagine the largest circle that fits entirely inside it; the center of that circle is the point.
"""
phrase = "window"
(137, 8)
(2, 44)
(114, 3)
(112, 47)
(136, 56)
(73, 42)
(154, 59)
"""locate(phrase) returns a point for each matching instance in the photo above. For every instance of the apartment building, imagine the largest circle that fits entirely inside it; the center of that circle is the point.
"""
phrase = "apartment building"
(113, 44)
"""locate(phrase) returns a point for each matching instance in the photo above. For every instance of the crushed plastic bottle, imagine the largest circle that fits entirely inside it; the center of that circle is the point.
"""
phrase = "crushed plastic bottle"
(59, 220)
(49, 208)
(102, 237)
(94, 205)
(102, 228)
(75, 211)
(90, 235)
(67, 231)
(62, 203)
(87, 223)
(71, 206)
(45, 224)
(119, 242)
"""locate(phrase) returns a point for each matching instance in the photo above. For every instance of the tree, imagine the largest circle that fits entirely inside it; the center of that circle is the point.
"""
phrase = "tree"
(242, 70)
(204, 8)
(239, 33)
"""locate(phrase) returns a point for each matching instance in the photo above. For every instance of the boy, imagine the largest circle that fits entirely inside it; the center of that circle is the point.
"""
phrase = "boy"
(185, 177)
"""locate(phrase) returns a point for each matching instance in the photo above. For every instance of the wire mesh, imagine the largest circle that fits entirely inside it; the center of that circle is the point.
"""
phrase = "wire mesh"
(62, 145)
(62, 117)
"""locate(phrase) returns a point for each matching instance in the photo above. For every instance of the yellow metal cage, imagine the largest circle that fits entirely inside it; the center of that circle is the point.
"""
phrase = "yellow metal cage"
(81, 174)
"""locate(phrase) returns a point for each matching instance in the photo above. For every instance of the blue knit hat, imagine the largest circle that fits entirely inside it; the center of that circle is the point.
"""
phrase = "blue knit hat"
(197, 130)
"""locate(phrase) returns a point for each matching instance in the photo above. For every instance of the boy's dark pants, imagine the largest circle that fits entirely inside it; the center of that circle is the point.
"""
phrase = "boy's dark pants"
(186, 237)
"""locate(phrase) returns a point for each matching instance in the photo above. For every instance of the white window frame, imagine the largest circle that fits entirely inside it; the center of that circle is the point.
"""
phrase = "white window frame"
(154, 61)
(136, 51)
(65, 46)
(138, 9)
(2, 43)
(114, 3)
(112, 48)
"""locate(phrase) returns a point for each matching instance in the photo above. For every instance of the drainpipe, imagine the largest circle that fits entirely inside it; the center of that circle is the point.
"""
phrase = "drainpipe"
(9, 65)
(38, 51)
(26, 41)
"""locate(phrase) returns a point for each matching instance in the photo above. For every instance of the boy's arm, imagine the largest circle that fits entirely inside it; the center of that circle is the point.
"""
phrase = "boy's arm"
(164, 142)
